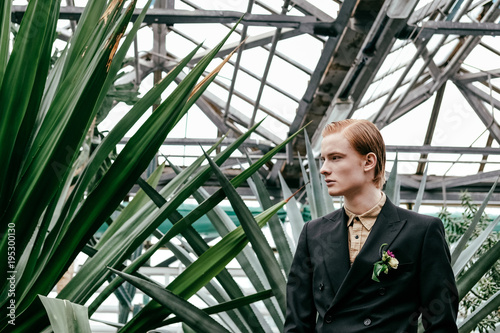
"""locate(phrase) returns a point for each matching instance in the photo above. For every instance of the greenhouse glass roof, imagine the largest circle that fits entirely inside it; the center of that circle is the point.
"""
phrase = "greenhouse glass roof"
(425, 72)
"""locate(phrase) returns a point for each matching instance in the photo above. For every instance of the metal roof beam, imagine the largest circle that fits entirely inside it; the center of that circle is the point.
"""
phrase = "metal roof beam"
(415, 97)
(308, 9)
(489, 48)
(310, 96)
(387, 109)
(432, 126)
(324, 59)
(431, 28)
(465, 49)
(177, 16)
(433, 68)
(443, 150)
(485, 156)
(480, 76)
(247, 71)
(242, 96)
(485, 97)
(265, 46)
(463, 181)
(444, 75)
(252, 41)
(240, 118)
(215, 117)
(397, 110)
(453, 198)
(429, 9)
(383, 93)
(247, 99)
(263, 145)
(482, 112)
(373, 52)
(270, 57)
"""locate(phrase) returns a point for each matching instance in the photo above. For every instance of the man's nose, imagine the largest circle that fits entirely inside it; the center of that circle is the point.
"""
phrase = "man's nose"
(323, 169)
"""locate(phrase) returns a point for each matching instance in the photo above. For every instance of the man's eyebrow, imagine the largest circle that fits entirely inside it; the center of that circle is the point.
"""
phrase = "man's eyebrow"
(332, 153)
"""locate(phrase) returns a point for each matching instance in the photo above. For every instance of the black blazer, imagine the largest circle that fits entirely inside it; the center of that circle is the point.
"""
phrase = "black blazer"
(325, 294)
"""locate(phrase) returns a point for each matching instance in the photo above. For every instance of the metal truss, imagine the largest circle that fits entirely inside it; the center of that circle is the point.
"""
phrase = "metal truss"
(357, 41)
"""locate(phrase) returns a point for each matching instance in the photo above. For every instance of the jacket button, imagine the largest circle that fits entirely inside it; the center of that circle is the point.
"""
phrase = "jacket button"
(367, 321)
(321, 286)
(381, 291)
(328, 319)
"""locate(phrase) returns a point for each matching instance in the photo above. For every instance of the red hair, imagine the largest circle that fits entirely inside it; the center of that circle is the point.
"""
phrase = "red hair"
(365, 138)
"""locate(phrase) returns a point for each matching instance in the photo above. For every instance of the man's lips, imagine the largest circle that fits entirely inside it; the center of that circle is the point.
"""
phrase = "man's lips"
(330, 182)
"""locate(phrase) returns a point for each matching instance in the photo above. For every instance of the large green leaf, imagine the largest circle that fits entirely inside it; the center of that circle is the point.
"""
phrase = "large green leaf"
(41, 173)
(316, 197)
(256, 238)
(421, 190)
(492, 304)
(33, 253)
(392, 185)
(57, 142)
(247, 259)
(477, 270)
(66, 317)
(135, 230)
(24, 66)
(25, 131)
(230, 305)
(4, 36)
(197, 319)
(473, 247)
(470, 230)
(123, 173)
(197, 275)
(28, 201)
(125, 123)
(91, 17)
(199, 246)
(292, 211)
(275, 225)
(309, 190)
(139, 200)
(146, 315)
(119, 178)
(232, 318)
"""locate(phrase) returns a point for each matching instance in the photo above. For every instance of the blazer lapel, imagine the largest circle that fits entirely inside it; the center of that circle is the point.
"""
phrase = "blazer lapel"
(335, 247)
(386, 228)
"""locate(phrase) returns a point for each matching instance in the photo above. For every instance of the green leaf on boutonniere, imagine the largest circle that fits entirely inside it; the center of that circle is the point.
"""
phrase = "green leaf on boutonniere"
(378, 268)
(388, 261)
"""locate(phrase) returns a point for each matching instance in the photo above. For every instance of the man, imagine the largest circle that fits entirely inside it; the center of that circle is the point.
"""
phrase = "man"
(369, 266)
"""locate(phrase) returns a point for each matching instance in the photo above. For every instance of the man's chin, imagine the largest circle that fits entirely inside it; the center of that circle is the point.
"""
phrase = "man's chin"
(334, 193)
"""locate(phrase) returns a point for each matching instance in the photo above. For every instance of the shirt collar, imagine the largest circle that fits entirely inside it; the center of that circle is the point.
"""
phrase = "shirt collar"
(367, 218)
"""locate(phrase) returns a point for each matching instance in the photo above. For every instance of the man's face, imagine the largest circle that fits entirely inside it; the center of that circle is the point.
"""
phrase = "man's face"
(343, 167)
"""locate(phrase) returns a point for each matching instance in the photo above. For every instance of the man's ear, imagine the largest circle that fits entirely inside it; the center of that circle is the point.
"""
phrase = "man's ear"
(370, 161)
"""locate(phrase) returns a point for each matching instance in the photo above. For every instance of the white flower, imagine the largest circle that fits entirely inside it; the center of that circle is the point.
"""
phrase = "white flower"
(393, 262)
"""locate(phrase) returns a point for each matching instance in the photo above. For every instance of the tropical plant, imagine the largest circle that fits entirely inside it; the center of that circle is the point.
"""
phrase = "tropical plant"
(58, 189)
(489, 283)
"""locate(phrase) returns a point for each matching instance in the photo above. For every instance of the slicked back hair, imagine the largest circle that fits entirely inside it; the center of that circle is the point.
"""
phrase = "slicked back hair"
(365, 138)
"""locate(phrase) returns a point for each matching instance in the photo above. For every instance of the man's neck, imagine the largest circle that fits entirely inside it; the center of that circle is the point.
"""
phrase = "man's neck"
(363, 201)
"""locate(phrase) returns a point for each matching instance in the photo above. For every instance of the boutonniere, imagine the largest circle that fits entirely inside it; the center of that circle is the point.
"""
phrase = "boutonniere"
(388, 261)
